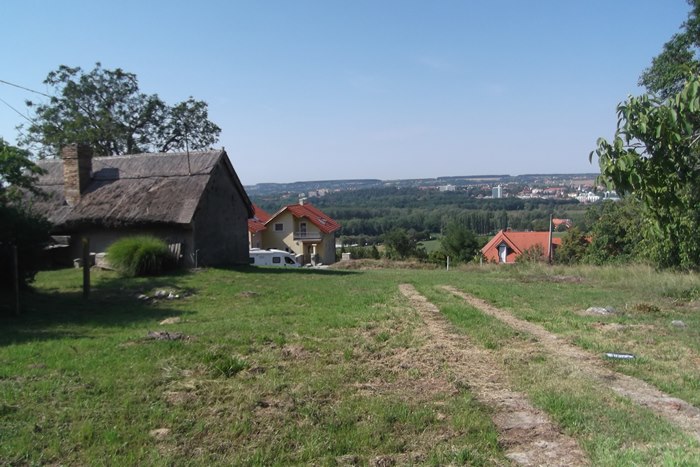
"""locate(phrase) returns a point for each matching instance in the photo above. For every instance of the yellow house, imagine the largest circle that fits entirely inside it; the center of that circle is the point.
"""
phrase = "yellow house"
(303, 230)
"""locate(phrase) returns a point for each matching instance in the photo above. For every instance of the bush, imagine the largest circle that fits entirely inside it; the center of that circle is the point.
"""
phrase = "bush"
(533, 254)
(29, 233)
(140, 255)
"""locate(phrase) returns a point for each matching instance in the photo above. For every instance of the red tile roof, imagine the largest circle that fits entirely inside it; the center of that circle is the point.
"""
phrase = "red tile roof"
(557, 222)
(257, 222)
(517, 243)
(324, 223)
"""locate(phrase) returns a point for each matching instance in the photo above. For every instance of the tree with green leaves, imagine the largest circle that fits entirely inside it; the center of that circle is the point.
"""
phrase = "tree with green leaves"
(655, 157)
(572, 248)
(105, 109)
(459, 243)
(19, 227)
(617, 232)
(669, 70)
(17, 172)
(399, 244)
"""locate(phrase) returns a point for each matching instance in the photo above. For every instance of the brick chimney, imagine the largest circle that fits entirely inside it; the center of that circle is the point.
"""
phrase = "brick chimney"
(77, 170)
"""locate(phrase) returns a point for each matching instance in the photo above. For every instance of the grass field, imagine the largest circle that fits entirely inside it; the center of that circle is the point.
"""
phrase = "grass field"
(280, 367)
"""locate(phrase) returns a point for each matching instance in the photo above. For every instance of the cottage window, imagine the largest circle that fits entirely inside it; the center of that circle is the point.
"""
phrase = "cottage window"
(279, 227)
(502, 253)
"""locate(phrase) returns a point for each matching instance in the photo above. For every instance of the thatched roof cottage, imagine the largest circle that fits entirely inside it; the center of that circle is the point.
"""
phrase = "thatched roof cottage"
(193, 199)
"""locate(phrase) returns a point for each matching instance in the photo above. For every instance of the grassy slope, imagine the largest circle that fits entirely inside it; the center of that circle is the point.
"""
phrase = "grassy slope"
(278, 362)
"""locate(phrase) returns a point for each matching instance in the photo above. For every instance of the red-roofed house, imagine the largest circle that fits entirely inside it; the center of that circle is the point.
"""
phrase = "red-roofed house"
(506, 246)
(567, 223)
(303, 230)
(256, 225)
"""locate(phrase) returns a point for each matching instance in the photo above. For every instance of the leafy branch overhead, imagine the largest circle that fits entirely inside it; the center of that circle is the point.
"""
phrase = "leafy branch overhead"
(655, 154)
(655, 150)
(106, 109)
(17, 173)
(655, 157)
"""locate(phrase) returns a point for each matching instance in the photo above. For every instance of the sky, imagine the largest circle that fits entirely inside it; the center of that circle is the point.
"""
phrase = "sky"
(339, 89)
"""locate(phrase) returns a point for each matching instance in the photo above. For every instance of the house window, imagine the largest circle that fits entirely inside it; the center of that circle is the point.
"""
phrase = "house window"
(502, 253)
(279, 227)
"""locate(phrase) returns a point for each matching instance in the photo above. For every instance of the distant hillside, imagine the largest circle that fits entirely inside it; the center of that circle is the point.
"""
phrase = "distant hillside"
(262, 189)
(303, 187)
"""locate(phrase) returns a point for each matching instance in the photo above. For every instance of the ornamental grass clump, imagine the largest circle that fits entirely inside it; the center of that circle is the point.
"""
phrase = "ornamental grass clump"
(140, 255)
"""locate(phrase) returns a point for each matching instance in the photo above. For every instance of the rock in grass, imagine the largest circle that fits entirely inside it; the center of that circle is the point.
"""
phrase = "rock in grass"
(247, 294)
(173, 320)
(165, 336)
(595, 310)
(160, 433)
(678, 323)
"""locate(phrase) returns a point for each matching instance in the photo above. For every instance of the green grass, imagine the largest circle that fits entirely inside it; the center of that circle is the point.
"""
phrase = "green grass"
(269, 374)
(613, 430)
(433, 244)
(285, 367)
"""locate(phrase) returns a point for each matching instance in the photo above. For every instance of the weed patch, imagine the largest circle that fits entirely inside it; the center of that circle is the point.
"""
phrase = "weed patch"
(221, 364)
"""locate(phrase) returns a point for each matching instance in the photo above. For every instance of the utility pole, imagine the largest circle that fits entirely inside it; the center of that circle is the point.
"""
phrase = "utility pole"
(549, 250)
(86, 267)
(15, 273)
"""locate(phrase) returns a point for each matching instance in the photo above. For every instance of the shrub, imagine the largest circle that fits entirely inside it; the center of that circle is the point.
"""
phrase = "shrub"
(140, 255)
(225, 365)
(29, 233)
(531, 255)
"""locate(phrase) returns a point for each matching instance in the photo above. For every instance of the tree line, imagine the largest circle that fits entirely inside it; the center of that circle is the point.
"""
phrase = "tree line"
(366, 216)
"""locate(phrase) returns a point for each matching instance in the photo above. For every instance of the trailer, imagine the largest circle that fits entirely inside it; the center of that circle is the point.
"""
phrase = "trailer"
(278, 258)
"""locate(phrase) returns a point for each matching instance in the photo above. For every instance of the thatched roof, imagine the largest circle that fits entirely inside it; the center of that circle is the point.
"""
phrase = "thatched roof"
(135, 189)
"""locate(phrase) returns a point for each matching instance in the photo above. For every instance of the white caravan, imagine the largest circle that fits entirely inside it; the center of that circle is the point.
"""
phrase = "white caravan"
(279, 258)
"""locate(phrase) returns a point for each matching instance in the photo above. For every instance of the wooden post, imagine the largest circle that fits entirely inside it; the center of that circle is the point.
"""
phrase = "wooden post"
(549, 250)
(15, 273)
(86, 267)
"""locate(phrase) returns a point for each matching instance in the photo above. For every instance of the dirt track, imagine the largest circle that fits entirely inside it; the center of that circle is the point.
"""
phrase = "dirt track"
(527, 434)
(677, 411)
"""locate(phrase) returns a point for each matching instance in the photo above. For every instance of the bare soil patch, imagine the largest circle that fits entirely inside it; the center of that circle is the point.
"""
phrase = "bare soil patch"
(527, 434)
(677, 411)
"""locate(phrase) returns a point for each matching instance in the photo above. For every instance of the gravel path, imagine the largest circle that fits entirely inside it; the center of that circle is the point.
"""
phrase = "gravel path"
(677, 411)
(527, 434)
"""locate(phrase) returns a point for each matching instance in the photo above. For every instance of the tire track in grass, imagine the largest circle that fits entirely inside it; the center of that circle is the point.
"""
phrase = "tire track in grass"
(677, 411)
(527, 434)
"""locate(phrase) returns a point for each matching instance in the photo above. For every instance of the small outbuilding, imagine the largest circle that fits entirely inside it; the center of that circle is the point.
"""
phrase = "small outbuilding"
(194, 201)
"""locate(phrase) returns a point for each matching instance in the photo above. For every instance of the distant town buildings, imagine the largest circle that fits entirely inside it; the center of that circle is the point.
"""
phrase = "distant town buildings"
(582, 187)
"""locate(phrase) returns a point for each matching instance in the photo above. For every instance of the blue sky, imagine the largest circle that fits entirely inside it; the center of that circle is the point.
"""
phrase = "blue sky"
(310, 90)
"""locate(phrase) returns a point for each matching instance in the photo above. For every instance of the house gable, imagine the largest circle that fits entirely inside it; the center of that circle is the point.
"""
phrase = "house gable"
(517, 243)
(303, 229)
